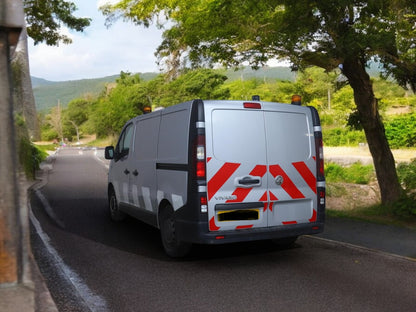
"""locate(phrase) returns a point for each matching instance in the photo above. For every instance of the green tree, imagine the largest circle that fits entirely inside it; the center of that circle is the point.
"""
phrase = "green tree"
(315, 83)
(55, 121)
(43, 21)
(200, 83)
(110, 113)
(343, 34)
(75, 115)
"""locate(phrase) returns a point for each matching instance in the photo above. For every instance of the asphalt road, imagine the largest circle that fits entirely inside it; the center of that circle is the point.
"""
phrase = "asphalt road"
(92, 263)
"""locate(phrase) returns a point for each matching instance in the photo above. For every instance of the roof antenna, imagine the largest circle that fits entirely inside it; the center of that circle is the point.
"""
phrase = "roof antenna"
(255, 98)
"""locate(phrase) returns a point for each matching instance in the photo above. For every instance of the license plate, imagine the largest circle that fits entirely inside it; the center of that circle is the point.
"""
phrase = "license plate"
(238, 215)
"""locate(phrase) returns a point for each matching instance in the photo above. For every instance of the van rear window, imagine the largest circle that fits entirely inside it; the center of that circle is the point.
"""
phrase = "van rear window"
(238, 136)
(244, 136)
(288, 136)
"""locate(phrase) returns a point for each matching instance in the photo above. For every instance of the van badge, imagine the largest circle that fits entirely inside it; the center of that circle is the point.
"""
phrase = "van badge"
(227, 197)
(279, 180)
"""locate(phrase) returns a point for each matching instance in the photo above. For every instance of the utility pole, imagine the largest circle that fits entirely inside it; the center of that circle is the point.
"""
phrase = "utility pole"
(17, 292)
(11, 249)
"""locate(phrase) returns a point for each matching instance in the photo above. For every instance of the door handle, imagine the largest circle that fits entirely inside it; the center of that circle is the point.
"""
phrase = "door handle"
(135, 173)
(126, 171)
(248, 181)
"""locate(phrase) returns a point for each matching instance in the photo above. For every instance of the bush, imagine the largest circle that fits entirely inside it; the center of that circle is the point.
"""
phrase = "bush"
(401, 131)
(405, 207)
(343, 137)
(407, 175)
(30, 157)
(356, 173)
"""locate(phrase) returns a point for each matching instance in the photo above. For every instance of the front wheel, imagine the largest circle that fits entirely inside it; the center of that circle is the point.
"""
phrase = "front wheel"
(115, 213)
(172, 245)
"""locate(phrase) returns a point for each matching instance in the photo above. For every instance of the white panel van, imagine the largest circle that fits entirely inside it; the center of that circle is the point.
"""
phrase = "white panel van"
(216, 172)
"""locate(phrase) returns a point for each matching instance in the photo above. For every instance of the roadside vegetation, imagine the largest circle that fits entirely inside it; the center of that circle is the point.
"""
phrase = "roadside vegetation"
(353, 193)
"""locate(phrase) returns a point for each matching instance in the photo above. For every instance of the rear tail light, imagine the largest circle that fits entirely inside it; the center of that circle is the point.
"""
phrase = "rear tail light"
(320, 178)
(200, 169)
(320, 159)
(322, 197)
(200, 157)
(204, 203)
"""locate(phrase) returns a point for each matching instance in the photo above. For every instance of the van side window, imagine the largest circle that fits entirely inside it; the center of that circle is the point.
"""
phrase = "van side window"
(124, 143)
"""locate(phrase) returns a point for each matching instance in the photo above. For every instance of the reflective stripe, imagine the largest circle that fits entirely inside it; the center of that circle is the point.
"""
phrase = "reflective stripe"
(241, 227)
(287, 184)
(306, 174)
(212, 225)
(146, 198)
(222, 175)
(241, 193)
(317, 129)
(314, 216)
(320, 184)
(202, 188)
(200, 124)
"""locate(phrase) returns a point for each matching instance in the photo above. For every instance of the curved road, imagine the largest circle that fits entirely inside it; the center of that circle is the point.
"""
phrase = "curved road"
(92, 263)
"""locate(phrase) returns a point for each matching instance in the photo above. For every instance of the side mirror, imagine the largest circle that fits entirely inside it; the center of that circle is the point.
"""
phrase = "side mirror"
(109, 152)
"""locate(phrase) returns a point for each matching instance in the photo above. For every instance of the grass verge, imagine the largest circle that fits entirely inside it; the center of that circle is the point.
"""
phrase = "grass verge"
(375, 214)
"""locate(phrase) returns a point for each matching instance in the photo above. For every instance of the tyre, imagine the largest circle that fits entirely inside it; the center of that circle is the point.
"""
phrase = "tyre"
(172, 245)
(115, 213)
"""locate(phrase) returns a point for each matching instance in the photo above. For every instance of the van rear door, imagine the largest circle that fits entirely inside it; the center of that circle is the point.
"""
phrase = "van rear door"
(291, 163)
(260, 165)
(236, 166)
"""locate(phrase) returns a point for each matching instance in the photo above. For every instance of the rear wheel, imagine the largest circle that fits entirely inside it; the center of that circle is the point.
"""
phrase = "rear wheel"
(115, 213)
(172, 245)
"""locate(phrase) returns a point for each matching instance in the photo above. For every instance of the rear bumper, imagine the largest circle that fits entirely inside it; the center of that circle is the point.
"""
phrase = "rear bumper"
(197, 232)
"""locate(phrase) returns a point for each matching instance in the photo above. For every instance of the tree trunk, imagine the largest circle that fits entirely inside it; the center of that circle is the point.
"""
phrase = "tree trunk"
(23, 93)
(367, 106)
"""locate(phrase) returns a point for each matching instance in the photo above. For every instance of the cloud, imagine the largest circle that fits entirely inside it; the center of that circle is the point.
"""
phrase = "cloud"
(104, 2)
(98, 51)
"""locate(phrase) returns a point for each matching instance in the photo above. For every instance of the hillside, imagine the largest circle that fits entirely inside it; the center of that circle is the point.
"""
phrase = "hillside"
(48, 93)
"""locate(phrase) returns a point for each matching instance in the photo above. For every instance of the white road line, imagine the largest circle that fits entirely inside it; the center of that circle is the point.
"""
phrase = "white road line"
(48, 208)
(94, 302)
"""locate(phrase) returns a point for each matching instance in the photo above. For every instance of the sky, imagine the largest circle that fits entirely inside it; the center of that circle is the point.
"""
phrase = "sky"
(98, 51)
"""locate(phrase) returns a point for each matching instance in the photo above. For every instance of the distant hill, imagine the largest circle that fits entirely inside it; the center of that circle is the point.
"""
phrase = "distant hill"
(37, 82)
(48, 93)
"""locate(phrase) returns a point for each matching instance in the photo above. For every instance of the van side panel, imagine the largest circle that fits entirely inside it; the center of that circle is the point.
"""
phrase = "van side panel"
(143, 176)
(172, 160)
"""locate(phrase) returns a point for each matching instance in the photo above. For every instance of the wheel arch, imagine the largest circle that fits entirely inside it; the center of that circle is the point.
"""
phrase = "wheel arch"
(110, 188)
(164, 203)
